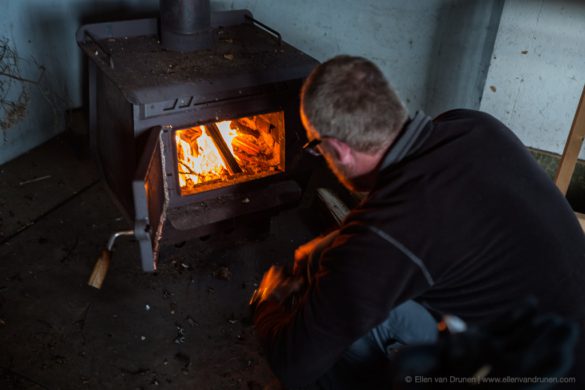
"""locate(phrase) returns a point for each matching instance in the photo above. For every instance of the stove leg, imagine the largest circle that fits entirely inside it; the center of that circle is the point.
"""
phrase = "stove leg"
(100, 269)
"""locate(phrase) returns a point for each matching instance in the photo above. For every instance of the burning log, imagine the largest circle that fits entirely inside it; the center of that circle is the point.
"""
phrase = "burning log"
(224, 151)
(217, 152)
(191, 137)
(263, 125)
(256, 122)
(247, 121)
(244, 129)
(246, 146)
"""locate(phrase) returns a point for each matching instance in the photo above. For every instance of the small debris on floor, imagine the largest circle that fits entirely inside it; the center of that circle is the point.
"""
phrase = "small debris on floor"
(180, 338)
(118, 336)
(36, 179)
(232, 319)
(223, 273)
(191, 321)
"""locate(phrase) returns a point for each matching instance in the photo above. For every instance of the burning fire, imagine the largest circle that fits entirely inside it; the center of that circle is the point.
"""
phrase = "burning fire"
(248, 147)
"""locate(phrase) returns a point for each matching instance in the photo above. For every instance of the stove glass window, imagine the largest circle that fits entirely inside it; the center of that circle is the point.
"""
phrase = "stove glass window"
(222, 153)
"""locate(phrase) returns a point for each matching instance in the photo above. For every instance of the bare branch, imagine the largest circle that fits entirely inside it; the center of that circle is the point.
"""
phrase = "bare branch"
(18, 78)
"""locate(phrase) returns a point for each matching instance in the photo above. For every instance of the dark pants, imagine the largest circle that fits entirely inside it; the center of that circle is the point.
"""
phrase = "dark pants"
(364, 365)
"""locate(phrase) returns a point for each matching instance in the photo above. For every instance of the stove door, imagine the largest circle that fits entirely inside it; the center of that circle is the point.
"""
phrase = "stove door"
(151, 199)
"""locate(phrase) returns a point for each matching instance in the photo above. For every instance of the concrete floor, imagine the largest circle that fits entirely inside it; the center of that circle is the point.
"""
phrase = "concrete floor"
(186, 326)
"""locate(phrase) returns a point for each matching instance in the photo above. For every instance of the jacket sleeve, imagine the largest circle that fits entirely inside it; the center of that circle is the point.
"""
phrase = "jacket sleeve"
(361, 277)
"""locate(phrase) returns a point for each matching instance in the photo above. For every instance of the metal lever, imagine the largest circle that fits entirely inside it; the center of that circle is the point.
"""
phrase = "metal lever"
(104, 51)
(100, 269)
(266, 28)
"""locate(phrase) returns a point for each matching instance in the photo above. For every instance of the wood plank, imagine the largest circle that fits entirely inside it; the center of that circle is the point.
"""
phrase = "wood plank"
(572, 147)
(336, 207)
(581, 218)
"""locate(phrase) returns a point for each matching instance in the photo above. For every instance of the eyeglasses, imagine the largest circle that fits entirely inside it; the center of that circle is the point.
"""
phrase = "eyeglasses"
(312, 147)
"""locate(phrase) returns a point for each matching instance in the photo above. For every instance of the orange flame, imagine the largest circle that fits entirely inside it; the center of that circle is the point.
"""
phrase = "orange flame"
(198, 162)
(257, 151)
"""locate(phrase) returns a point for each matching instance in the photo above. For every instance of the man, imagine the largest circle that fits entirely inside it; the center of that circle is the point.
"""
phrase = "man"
(459, 220)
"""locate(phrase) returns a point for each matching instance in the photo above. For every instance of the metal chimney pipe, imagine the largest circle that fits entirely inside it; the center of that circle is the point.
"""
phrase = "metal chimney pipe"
(185, 25)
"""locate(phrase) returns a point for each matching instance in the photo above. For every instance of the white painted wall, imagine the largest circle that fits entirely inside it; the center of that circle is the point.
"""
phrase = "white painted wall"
(537, 70)
(432, 51)
(43, 34)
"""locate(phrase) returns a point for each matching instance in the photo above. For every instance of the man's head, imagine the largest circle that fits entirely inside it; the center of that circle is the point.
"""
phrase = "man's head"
(347, 103)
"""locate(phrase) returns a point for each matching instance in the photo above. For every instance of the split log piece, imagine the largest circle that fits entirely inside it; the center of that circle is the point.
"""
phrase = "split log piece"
(243, 129)
(246, 146)
(336, 207)
(228, 158)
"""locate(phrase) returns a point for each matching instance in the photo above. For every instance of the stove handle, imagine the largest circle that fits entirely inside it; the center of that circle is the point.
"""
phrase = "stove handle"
(104, 51)
(265, 27)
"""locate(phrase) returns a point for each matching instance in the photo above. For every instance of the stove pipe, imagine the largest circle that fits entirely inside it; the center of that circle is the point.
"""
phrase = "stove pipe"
(185, 25)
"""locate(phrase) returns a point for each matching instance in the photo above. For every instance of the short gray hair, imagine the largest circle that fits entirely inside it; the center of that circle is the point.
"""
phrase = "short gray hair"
(348, 98)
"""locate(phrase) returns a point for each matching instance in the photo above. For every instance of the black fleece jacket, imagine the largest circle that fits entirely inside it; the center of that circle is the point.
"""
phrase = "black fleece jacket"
(462, 219)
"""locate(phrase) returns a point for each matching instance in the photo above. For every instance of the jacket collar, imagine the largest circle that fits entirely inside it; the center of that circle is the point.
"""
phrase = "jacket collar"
(412, 134)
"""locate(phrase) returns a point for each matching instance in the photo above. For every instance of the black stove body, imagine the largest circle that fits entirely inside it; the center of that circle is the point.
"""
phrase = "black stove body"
(146, 99)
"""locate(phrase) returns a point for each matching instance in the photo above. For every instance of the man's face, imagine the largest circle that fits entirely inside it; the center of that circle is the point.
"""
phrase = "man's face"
(343, 172)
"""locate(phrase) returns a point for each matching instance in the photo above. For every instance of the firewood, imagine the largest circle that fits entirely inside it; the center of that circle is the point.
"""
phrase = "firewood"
(246, 146)
(243, 129)
(263, 125)
(191, 135)
(224, 151)
(268, 140)
(248, 122)
(335, 206)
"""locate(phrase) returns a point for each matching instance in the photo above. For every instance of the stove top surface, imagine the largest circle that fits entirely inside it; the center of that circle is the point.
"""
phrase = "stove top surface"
(244, 56)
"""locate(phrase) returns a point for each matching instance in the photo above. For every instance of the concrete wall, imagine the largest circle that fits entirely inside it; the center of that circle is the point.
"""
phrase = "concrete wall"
(537, 70)
(463, 45)
(42, 34)
(435, 52)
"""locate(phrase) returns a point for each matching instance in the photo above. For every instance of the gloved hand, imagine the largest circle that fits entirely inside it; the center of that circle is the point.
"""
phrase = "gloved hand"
(276, 285)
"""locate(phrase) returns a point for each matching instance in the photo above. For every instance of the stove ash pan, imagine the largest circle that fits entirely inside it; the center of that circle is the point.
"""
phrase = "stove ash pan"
(190, 142)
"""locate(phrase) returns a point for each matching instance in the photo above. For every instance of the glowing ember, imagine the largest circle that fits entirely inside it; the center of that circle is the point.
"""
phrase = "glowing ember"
(254, 144)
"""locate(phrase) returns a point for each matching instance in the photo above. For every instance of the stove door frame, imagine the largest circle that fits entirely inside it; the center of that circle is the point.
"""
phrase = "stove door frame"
(277, 100)
(150, 193)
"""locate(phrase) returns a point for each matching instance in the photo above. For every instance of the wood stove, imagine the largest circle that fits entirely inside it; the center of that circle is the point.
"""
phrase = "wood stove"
(194, 121)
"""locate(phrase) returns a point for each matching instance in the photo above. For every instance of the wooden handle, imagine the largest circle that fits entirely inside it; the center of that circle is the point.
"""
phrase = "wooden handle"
(572, 148)
(100, 269)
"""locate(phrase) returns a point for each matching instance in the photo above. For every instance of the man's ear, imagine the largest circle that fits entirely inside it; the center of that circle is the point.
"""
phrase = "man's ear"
(341, 151)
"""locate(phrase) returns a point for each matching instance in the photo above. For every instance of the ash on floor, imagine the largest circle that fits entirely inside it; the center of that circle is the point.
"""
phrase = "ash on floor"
(186, 326)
